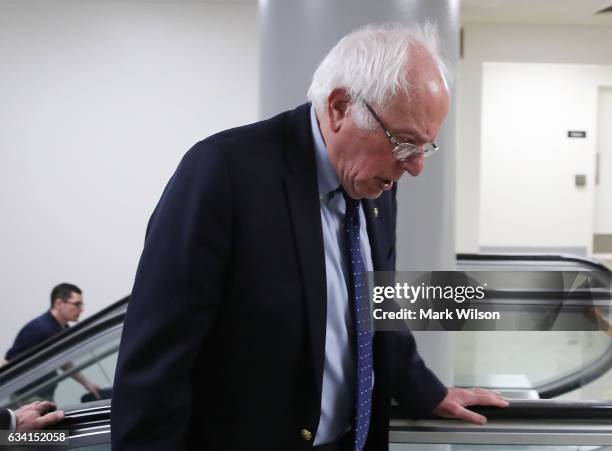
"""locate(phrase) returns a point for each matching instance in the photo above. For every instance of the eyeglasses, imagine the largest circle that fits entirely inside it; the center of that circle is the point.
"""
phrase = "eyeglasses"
(403, 150)
(78, 304)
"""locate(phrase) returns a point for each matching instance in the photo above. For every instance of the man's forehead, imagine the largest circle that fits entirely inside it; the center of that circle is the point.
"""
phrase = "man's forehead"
(419, 115)
(409, 106)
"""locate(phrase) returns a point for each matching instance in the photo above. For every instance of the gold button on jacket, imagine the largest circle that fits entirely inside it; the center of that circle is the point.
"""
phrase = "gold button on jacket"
(306, 434)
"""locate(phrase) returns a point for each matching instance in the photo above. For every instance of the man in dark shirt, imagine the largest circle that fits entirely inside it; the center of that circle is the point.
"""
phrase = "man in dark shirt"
(66, 306)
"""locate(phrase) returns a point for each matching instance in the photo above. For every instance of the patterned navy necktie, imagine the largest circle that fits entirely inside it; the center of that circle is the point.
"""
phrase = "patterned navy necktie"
(359, 300)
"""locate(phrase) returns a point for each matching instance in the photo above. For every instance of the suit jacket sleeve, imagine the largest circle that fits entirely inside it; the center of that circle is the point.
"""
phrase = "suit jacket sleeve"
(177, 291)
(416, 388)
(5, 419)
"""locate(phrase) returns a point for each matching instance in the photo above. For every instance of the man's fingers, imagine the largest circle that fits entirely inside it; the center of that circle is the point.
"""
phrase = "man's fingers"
(472, 417)
(93, 389)
(488, 398)
(457, 399)
(45, 406)
(33, 405)
(479, 390)
(49, 419)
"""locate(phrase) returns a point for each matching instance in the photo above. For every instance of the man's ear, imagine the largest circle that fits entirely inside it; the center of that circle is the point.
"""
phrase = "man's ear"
(338, 103)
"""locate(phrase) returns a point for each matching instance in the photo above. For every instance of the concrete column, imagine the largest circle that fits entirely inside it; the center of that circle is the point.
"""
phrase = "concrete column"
(295, 36)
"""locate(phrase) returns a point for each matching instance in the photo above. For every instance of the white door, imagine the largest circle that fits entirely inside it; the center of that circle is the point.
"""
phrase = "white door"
(603, 189)
(529, 196)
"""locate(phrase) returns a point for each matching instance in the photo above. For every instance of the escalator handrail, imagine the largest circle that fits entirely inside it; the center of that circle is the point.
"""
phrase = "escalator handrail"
(587, 373)
(593, 370)
(536, 409)
(589, 262)
(540, 409)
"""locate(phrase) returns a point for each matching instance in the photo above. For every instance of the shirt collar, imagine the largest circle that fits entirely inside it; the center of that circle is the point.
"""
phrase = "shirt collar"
(327, 179)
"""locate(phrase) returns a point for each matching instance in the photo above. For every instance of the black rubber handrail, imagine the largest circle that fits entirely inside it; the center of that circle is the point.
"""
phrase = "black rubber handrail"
(577, 379)
(534, 257)
(540, 409)
(91, 414)
(550, 410)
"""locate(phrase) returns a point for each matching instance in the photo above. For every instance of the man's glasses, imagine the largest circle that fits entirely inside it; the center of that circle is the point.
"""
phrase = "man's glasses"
(78, 304)
(403, 150)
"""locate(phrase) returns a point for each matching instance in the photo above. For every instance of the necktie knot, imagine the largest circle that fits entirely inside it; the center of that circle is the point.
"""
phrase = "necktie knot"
(352, 205)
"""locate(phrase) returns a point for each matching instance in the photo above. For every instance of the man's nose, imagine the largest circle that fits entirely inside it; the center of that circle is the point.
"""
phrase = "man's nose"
(414, 165)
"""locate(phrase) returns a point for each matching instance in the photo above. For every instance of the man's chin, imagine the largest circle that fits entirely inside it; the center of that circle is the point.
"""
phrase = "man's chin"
(374, 196)
(370, 194)
(369, 191)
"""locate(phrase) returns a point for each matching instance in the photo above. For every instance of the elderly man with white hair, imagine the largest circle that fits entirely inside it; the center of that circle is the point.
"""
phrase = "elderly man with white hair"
(248, 326)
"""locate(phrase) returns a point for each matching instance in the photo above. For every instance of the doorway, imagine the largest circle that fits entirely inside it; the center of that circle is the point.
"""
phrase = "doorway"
(602, 237)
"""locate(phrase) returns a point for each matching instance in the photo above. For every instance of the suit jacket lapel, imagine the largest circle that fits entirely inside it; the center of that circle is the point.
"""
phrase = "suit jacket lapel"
(303, 199)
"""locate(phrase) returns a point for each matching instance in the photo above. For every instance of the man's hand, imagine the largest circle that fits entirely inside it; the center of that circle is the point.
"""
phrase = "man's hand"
(37, 415)
(92, 388)
(455, 401)
(81, 379)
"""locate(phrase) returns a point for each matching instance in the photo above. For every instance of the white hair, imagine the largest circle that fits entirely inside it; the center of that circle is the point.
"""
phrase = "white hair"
(371, 63)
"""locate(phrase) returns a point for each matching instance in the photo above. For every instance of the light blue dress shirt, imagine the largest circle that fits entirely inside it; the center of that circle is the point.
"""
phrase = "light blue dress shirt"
(339, 367)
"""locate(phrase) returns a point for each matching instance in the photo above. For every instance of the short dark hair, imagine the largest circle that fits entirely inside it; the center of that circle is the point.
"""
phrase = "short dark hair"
(63, 291)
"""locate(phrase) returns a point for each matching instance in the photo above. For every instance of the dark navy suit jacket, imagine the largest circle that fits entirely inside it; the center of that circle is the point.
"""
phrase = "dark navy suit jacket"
(5, 419)
(224, 340)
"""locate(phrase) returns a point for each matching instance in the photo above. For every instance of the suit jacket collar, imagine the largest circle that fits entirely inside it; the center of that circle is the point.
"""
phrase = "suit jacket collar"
(327, 179)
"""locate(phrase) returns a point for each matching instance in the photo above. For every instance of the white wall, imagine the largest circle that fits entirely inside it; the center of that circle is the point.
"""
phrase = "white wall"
(99, 101)
(507, 43)
(528, 196)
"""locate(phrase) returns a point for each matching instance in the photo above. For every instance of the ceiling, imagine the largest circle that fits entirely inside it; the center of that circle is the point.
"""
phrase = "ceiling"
(578, 12)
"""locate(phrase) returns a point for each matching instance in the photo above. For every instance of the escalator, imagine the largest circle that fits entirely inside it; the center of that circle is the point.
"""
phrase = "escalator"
(524, 425)
(527, 370)
(533, 421)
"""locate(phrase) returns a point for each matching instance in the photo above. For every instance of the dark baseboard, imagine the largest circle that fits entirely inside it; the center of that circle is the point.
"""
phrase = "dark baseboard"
(602, 244)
